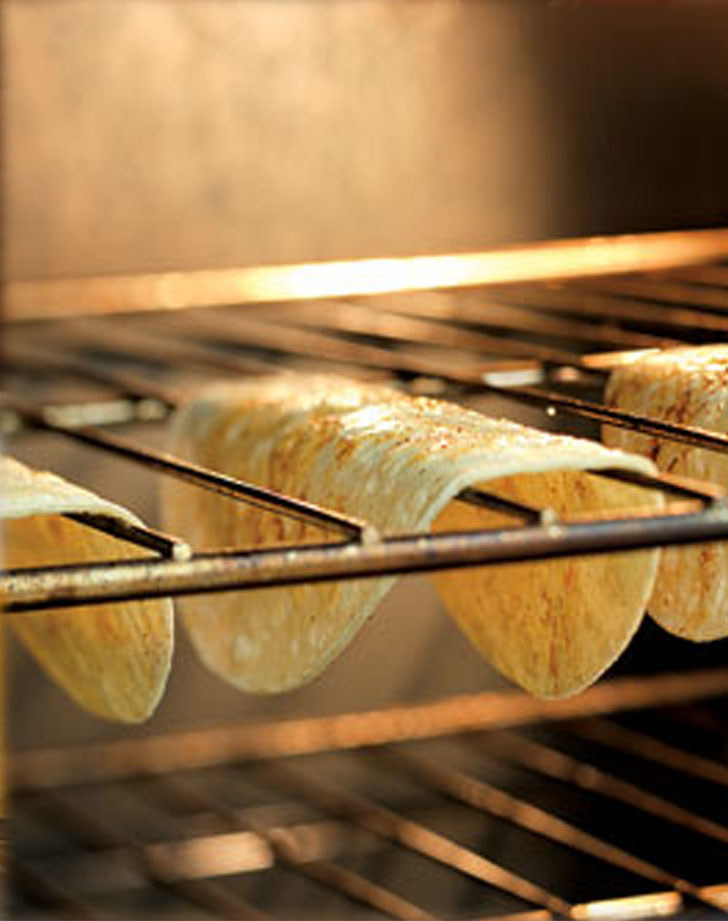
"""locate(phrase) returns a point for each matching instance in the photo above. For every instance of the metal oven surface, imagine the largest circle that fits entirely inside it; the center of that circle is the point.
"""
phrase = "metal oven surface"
(448, 801)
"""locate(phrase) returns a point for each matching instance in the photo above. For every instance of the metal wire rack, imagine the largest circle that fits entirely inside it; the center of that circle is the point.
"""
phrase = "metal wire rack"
(261, 821)
(454, 342)
(536, 811)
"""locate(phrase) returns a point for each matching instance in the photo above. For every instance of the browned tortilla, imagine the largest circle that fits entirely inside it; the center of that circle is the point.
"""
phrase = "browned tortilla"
(113, 660)
(397, 461)
(687, 386)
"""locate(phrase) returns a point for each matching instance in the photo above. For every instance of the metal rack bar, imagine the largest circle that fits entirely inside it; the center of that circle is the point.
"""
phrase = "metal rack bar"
(361, 320)
(482, 499)
(199, 476)
(93, 830)
(88, 412)
(650, 905)
(692, 435)
(359, 528)
(24, 357)
(130, 341)
(364, 890)
(567, 299)
(47, 892)
(165, 545)
(452, 715)
(189, 857)
(658, 290)
(549, 761)
(234, 488)
(282, 844)
(709, 722)
(667, 483)
(246, 331)
(538, 914)
(606, 732)
(413, 836)
(489, 798)
(51, 587)
(291, 339)
(162, 350)
(710, 275)
(598, 256)
(484, 311)
(549, 399)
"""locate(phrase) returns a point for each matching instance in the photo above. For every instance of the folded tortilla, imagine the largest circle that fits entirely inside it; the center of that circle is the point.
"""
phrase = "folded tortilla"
(113, 660)
(396, 461)
(687, 386)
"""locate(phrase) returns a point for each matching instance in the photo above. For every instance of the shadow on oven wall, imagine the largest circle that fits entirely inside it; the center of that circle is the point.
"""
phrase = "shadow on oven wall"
(150, 134)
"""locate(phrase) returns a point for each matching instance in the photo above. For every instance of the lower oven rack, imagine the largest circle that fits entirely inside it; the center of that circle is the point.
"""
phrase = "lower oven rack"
(610, 805)
(589, 808)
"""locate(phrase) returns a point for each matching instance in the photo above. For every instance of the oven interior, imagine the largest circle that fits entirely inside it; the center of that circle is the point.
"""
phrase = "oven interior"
(410, 781)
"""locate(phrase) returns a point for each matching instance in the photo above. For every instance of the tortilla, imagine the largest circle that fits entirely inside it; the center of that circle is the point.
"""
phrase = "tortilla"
(687, 386)
(113, 660)
(397, 461)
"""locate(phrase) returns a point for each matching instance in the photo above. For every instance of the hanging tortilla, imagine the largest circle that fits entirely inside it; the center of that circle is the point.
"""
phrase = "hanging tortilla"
(113, 660)
(396, 461)
(688, 386)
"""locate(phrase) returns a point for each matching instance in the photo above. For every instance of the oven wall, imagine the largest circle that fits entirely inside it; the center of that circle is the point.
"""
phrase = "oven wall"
(151, 134)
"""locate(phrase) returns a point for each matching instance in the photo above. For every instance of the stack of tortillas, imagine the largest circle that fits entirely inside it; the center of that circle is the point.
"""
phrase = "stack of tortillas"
(398, 462)
(688, 386)
(113, 660)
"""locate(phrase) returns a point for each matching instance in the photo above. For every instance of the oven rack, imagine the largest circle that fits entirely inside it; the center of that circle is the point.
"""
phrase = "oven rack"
(608, 805)
(539, 344)
(489, 805)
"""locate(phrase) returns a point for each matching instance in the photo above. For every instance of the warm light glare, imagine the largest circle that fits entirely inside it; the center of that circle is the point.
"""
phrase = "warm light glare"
(655, 905)
(215, 855)
(716, 895)
(535, 262)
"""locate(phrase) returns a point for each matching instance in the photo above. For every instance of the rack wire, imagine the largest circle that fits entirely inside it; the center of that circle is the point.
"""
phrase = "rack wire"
(494, 805)
(450, 340)
(608, 805)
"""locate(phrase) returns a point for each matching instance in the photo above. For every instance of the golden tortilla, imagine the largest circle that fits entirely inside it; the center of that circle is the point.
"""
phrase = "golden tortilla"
(396, 461)
(113, 660)
(687, 386)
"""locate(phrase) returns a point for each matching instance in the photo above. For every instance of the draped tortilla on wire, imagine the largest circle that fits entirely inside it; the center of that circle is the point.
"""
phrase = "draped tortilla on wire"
(113, 660)
(398, 462)
(688, 386)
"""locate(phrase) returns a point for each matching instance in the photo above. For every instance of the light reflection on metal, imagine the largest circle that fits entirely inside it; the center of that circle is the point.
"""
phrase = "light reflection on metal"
(654, 905)
(607, 361)
(455, 714)
(540, 914)
(594, 256)
(718, 894)
(214, 855)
